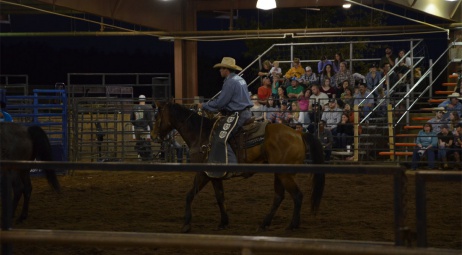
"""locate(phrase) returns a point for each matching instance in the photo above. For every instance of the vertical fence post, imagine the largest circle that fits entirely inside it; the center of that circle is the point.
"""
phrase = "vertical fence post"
(421, 210)
(7, 213)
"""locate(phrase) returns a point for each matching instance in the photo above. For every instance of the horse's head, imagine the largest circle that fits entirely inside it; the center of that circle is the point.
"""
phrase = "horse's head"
(162, 125)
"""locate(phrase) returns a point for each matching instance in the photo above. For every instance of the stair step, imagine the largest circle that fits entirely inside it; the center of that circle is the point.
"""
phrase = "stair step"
(406, 135)
(449, 84)
(397, 153)
(405, 144)
(413, 127)
(452, 76)
(436, 101)
(428, 109)
(444, 92)
(422, 118)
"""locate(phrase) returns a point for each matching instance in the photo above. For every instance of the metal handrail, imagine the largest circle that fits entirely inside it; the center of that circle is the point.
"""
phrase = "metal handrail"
(421, 79)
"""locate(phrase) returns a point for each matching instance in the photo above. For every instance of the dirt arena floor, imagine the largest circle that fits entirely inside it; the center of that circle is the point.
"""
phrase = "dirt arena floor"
(354, 207)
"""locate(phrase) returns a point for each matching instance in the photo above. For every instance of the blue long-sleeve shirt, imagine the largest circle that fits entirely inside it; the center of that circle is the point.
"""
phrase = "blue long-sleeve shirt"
(234, 96)
(425, 139)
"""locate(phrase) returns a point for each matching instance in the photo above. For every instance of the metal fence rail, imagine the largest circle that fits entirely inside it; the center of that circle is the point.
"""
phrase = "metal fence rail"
(246, 244)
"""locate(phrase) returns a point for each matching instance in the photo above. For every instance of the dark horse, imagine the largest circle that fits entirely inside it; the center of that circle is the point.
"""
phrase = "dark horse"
(24, 143)
(282, 145)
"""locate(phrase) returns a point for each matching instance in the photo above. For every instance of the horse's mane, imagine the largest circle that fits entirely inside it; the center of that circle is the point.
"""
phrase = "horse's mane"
(193, 120)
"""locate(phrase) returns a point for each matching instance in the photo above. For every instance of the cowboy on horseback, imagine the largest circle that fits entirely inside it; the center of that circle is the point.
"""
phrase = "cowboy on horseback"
(234, 103)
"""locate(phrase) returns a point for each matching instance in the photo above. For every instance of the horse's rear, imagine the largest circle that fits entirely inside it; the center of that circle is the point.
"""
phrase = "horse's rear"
(284, 145)
(20, 143)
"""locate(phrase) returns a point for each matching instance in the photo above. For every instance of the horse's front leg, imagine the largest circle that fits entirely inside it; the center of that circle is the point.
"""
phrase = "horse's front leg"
(200, 180)
(277, 200)
(220, 196)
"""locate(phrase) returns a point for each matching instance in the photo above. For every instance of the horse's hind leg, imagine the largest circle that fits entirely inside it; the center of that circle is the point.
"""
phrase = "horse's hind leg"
(220, 196)
(18, 189)
(297, 196)
(200, 180)
(277, 199)
(27, 191)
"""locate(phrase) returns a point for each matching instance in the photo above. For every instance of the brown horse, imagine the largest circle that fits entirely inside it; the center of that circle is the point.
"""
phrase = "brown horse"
(24, 143)
(282, 145)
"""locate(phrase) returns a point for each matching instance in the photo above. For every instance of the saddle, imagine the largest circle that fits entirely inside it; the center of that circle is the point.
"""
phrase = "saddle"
(250, 135)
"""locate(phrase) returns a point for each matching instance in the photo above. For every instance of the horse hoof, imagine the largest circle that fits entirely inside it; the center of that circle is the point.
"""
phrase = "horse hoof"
(222, 227)
(291, 228)
(262, 229)
(186, 228)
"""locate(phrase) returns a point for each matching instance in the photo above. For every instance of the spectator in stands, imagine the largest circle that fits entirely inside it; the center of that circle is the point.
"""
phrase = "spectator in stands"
(282, 95)
(392, 78)
(299, 128)
(426, 143)
(445, 144)
(453, 120)
(332, 115)
(389, 58)
(270, 108)
(347, 96)
(141, 119)
(341, 89)
(281, 116)
(327, 73)
(451, 104)
(381, 110)
(296, 71)
(295, 90)
(275, 71)
(264, 91)
(265, 70)
(304, 100)
(345, 132)
(343, 75)
(308, 78)
(458, 145)
(4, 115)
(294, 113)
(328, 89)
(459, 79)
(438, 120)
(275, 84)
(318, 97)
(323, 63)
(351, 117)
(315, 117)
(403, 64)
(337, 60)
(257, 109)
(325, 136)
(373, 77)
(367, 104)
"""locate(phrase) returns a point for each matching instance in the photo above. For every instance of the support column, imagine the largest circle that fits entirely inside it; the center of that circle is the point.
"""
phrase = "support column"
(185, 58)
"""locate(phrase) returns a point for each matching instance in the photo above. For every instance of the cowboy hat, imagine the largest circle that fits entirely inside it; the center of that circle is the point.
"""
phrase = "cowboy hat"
(454, 94)
(439, 109)
(228, 62)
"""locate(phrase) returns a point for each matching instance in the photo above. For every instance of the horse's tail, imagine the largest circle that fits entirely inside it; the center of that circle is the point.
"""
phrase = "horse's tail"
(42, 151)
(318, 179)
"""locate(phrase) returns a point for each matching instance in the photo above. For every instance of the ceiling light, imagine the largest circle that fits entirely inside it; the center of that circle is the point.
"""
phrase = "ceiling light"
(346, 6)
(266, 4)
